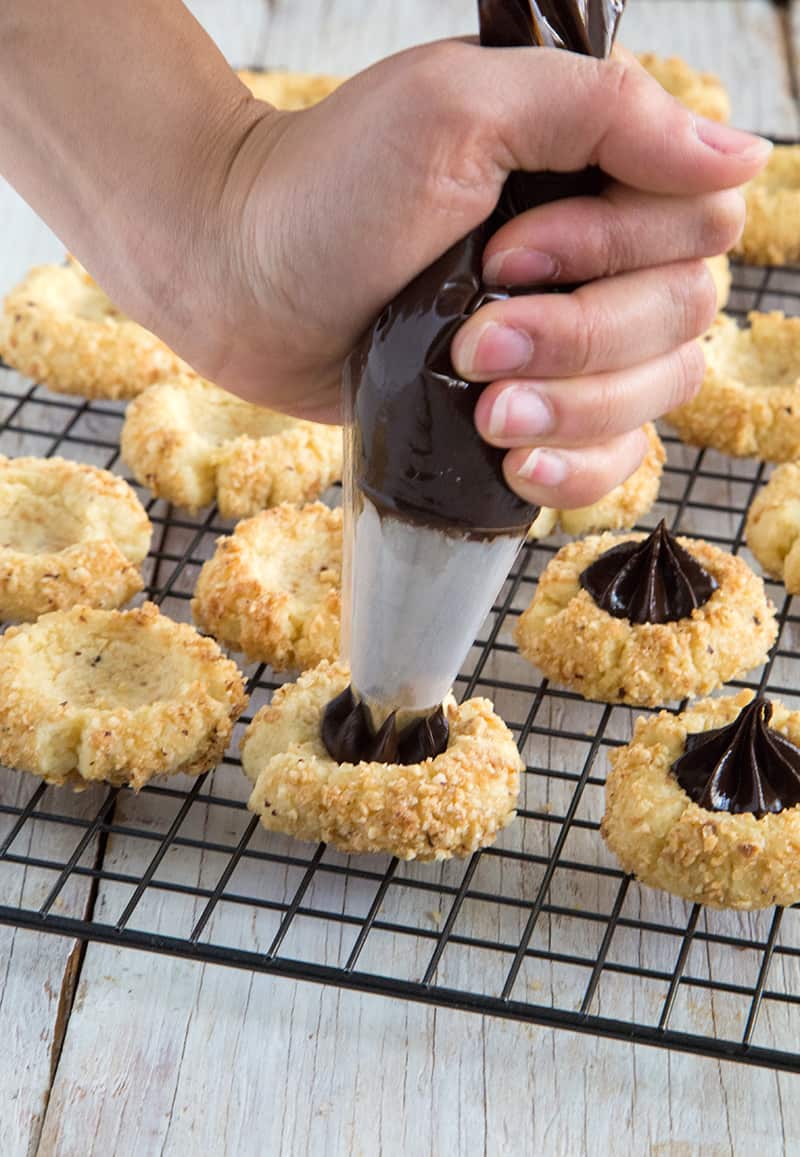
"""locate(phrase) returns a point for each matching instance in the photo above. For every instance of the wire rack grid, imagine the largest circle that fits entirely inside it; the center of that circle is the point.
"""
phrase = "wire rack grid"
(543, 927)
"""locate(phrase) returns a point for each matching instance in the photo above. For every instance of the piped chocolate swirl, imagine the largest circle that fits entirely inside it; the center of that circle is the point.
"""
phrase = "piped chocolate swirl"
(349, 736)
(654, 581)
(746, 766)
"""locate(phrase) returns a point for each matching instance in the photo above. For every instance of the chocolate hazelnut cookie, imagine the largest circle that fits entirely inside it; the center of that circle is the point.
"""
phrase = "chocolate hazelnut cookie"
(702, 92)
(273, 589)
(449, 805)
(749, 402)
(59, 328)
(114, 696)
(192, 443)
(773, 526)
(705, 804)
(646, 619)
(69, 533)
(771, 233)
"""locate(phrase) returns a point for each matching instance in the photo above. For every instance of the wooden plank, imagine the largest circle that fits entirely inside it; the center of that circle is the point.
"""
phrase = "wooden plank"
(165, 1056)
(347, 37)
(792, 23)
(37, 975)
(740, 40)
(258, 1066)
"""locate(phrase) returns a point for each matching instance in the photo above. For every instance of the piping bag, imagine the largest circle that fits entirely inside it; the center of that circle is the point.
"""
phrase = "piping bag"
(431, 529)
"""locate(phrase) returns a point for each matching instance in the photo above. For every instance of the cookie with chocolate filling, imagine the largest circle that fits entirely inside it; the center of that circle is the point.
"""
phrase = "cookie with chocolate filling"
(771, 234)
(430, 809)
(116, 697)
(192, 443)
(620, 509)
(702, 92)
(705, 804)
(274, 588)
(646, 619)
(773, 526)
(69, 533)
(59, 328)
(749, 402)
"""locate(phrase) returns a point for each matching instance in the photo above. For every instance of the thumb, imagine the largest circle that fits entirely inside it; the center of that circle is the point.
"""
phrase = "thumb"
(547, 109)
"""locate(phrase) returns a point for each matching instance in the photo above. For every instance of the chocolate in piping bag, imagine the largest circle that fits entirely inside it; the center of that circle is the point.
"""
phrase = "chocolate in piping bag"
(416, 451)
(431, 528)
(744, 767)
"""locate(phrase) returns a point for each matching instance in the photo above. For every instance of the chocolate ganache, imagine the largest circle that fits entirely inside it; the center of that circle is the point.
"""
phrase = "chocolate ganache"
(744, 767)
(655, 581)
(349, 736)
(416, 451)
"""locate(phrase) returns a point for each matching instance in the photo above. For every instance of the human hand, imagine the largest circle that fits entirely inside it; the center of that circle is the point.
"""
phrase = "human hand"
(324, 215)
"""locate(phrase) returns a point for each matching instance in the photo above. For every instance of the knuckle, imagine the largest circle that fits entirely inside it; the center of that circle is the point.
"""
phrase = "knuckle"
(723, 220)
(620, 80)
(616, 89)
(632, 88)
(434, 90)
(706, 303)
(621, 245)
(606, 404)
(689, 371)
(590, 332)
(456, 128)
(435, 73)
(589, 415)
(694, 298)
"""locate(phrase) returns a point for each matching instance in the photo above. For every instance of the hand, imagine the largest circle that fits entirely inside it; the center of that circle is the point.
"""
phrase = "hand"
(287, 233)
(335, 209)
(261, 245)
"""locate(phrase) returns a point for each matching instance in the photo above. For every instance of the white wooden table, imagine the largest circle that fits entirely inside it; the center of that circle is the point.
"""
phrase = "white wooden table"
(113, 1051)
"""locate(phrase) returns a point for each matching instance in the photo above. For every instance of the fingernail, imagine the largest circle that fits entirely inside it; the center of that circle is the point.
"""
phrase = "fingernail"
(544, 467)
(493, 349)
(732, 142)
(519, 266)
(519, 412)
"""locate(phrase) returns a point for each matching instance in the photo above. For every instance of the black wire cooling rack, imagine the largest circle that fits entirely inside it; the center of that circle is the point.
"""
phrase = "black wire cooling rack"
(542, 927)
